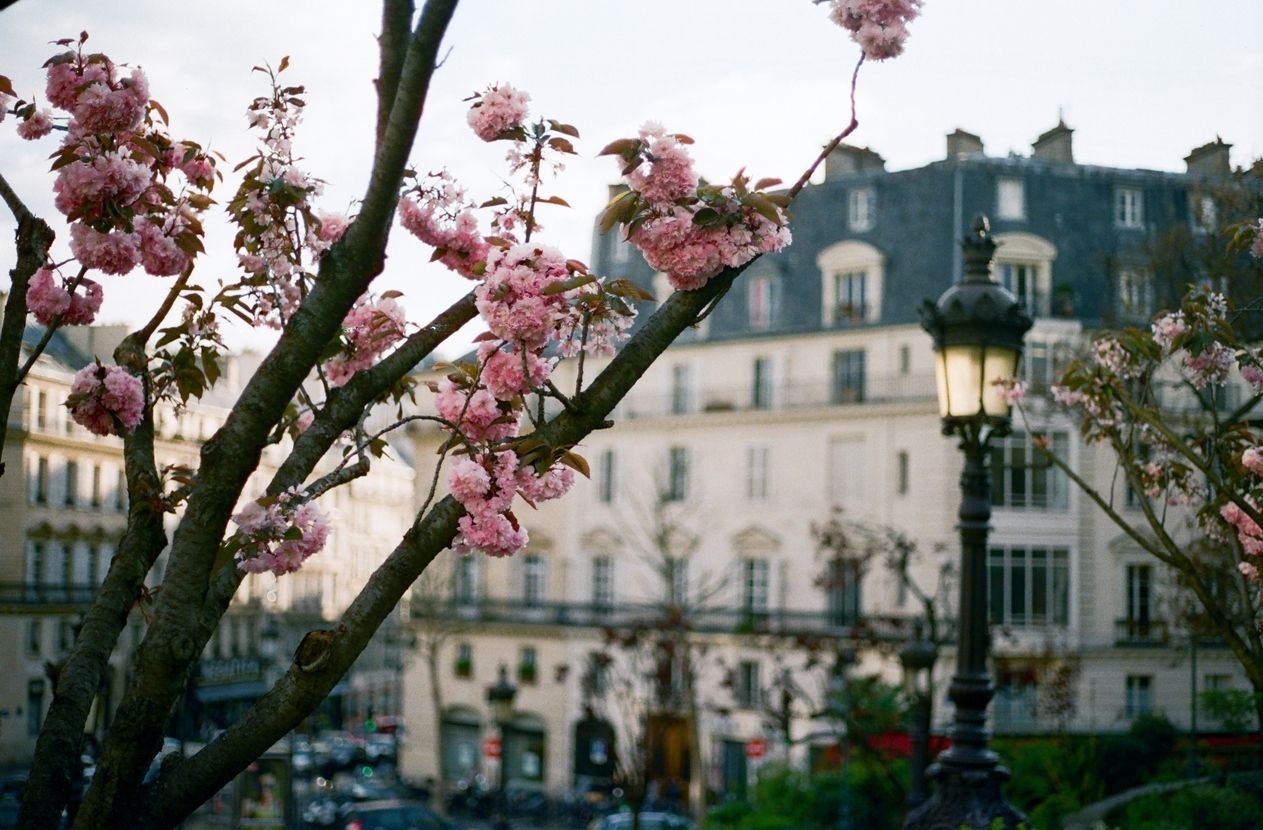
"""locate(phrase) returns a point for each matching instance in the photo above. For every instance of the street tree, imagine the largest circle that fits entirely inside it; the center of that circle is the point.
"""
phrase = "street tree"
(133, 197)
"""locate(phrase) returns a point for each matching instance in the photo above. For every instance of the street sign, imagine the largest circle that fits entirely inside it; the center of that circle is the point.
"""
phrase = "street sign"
(756, 748)
(491, 747)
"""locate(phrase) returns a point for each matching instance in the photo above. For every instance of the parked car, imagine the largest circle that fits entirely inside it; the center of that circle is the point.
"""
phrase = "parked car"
(396, 814)
(649, 820)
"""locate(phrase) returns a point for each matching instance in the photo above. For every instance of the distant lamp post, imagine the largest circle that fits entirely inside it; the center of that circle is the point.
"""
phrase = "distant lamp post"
(270, 646)
(500, 697)
(977, 326)
(840, 704)
(917, 658)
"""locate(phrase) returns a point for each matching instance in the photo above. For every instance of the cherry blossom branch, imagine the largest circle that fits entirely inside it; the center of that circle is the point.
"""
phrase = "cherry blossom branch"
(805, 178)
(396, 28)
(161, 314)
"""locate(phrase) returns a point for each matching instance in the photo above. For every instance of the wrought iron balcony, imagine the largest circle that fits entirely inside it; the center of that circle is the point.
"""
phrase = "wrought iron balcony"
(33, 598)
(1131, 632)
(707, 620)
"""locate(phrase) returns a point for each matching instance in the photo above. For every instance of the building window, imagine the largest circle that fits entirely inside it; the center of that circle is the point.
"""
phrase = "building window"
(605, 477)
(465, 583)
(72, 483)
(905, 359)
(120, 492)
(1028, 585)
(677, 581)
(862, 215)
(41, 409)
(761, 389)
(677, 475)
(1010, 199)
(852, 274)
(1129, 208)
(1027, 284)
(34, 637)
(681, 389)
(763, 301)
(1043, 362)
(93, 565)
(534, 587)
(603, 583)
(851, 291)
(528, 665)
(901, 472)
(1139, 695)
(1139, 601)
(39, 489)
(749, 692)
(464, 665)
(96, 486)
(1016, 700)
(620, 248)
(596, 678)
(34, 706)
(1207, 215)
(754, 593)
(842, 591)
(848, 484)
(36, 555)
(1022, 477)
(848, 376)
(1135, 297)
(756, 472)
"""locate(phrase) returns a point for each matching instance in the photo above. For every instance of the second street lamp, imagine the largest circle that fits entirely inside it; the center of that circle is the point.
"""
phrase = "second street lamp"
(977, 326)
(500, 698)
(917, 657)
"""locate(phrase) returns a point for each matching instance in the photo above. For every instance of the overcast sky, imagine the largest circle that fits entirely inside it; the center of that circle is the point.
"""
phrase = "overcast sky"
(757, 84)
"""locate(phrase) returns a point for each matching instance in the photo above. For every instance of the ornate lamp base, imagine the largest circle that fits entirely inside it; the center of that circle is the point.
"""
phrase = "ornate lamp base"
(965, 798)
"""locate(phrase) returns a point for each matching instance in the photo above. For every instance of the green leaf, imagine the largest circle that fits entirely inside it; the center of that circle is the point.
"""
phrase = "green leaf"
(561, 145)
(565, 129)
(553, 200)
(576, 462)
(621, 147)
(627, 288)
(562, 286)
(765, 208)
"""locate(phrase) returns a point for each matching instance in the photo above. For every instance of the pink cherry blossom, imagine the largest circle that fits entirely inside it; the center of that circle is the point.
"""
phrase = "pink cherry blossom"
(1252, 458)
(552, 484)
(508, 373)
(84, 304)
(1248, 532)
(1167, 328)
(498, 109)
(116, 252)
(476, 415)
(280, 536)
(880, 27)
(159, 253)
(105, 397)
(668, 174)
(1011, 390)
(1211, 366)
(45, 298)
(1256, 249)
(37, 126)
(370, 328)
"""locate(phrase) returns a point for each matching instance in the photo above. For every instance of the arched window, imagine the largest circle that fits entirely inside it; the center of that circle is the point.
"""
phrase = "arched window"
(1023, 264)
(852, 276)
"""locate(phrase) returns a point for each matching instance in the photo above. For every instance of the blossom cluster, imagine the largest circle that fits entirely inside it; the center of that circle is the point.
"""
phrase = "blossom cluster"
(535, 303)
(370, 328)
(106, 400)
(48, 299)
(683, 226)
(279, 534)
(880, 27)
(115, 171)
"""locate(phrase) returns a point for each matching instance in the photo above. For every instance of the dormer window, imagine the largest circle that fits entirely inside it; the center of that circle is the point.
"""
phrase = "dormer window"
(1023, 264)
(763, 301)
(852, 275)
(1010, 199)
(1129, 208)
(862, 215)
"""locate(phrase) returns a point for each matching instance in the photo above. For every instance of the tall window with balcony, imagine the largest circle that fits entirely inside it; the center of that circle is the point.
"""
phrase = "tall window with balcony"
(841, 583)
(1129, 208)
(677, 579)
(1135, 294)
(534, 580)
(1016, 700)
(605, 480)
(851, 290)
(39, 481)
(862, 209)
(677, 483)
(1139, 624)
(1024, 265)
(756, 472)
(763, 301)
(71, 496)
(681, 389)
(1023, 279)
(748, 690)
(1023, 479)
(761, 389)
(852, 275)
(465, 580)
(1044, 361)
(1028, 586)
(754, 589)
(602, 584)
(848, 376)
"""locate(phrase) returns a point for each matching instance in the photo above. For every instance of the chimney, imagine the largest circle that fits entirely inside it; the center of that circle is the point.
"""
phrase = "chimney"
(848, 159)
(1209, 160)
(1055, 145)
(961, 144)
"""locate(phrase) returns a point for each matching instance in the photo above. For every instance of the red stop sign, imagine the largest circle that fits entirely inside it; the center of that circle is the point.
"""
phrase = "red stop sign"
(491, 747)
(756, 748)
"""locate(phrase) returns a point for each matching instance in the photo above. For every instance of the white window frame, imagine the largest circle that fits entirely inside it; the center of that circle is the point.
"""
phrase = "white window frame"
(757, 457)
(602, 582)
(1129, 207)
(534, 580)
(763, 300)
(861, 209)
(1139, 695)
(749, 691)
(683, 394)
(755, 576)
(1007, 562)
(1010, 198)
(677, 483)
(606, 483)
(1031, 257)
(763, 383)
(1135, 297)
(851, 256)
(1042, 486)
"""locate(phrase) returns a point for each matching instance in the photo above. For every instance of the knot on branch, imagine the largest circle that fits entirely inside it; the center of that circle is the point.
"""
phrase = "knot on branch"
(313, 651)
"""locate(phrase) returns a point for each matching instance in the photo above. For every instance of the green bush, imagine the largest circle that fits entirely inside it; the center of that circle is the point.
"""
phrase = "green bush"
(1206, 807)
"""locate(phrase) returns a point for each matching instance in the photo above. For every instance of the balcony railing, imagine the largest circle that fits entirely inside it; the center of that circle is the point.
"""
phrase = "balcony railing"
(1140, 632)
(784, 396)
(702, 620)
(26, 598)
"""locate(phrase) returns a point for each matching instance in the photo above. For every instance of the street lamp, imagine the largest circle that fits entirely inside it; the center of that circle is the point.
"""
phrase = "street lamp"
(917, 657)
(500, 698)
(977, 326)
(840, 704)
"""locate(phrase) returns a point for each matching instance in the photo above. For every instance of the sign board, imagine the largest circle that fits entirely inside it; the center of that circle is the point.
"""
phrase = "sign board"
(491, 747)
(756, 748)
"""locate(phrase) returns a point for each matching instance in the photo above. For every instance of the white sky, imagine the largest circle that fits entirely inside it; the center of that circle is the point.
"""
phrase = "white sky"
(757, 84)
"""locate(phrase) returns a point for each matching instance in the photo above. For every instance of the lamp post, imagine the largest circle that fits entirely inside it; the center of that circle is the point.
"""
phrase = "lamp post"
(841, 704)
(917, 658)
(500, 698)
(977, 326)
